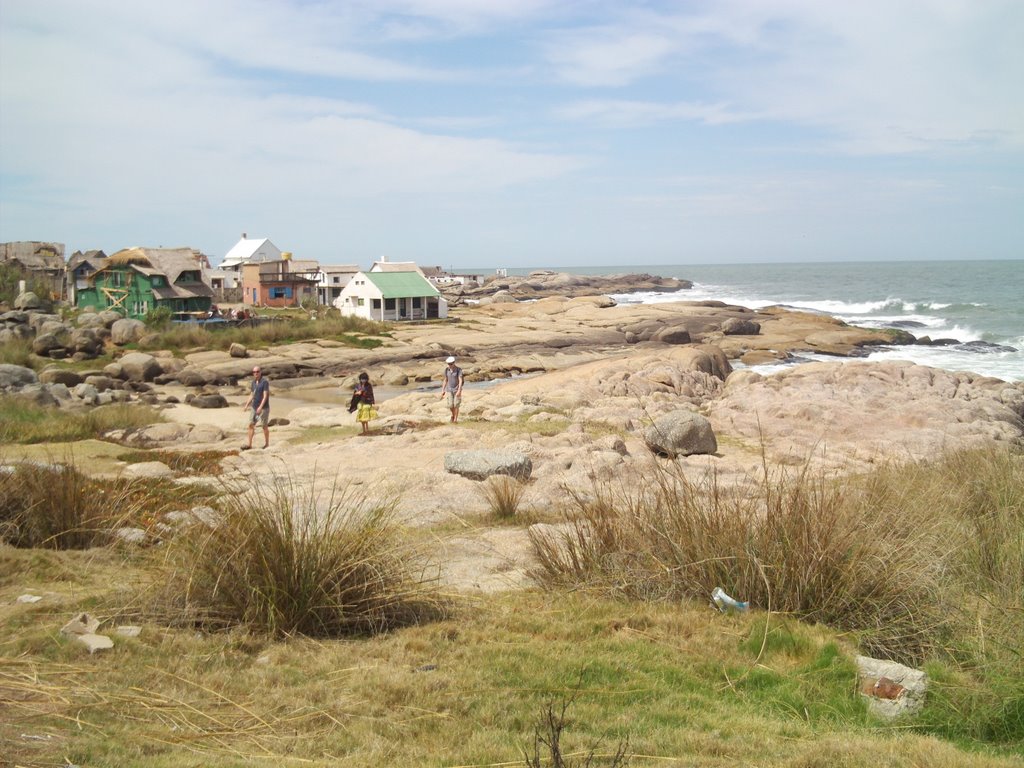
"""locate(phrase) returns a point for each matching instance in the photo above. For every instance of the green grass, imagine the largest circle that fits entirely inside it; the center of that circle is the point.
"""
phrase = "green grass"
(274, 673)
(680, 685)
(19, 352)
(24, 422)
(186, 462)
(920, 562)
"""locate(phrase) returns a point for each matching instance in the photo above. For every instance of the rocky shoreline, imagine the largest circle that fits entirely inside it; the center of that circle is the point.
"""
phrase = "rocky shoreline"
(572, 384)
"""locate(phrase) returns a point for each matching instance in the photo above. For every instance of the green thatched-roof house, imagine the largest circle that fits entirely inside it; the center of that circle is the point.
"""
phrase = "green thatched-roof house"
(136, 281)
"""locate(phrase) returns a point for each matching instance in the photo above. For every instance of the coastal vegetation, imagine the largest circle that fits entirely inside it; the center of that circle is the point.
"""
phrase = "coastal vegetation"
(304, 627)
(23, 421)
(271, 327)
(53, 505)
(284, 560)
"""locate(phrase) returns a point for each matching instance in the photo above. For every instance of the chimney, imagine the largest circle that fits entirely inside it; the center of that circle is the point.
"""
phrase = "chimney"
(244, 236)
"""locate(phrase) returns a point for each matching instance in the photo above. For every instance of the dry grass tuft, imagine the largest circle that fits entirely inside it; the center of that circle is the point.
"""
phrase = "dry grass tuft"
(503, 494)
(802, 544)
(54, 506)
(287, 560)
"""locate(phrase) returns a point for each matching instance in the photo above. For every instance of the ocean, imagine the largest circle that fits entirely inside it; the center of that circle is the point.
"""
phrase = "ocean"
(970, 301)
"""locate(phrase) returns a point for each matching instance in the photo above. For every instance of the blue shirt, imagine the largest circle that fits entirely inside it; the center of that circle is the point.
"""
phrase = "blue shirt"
(259, 389)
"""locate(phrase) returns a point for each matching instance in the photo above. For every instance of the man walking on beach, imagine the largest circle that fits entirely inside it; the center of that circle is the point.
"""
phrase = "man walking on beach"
(258, 406)
(453, 388)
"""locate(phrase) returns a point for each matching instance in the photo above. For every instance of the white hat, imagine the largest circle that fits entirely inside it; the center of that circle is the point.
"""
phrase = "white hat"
(450, 360)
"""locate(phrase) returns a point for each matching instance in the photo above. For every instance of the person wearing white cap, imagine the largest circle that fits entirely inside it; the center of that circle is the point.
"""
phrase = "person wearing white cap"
(453, 388)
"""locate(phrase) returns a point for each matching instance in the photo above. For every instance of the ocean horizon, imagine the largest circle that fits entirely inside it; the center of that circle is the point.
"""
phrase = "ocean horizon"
(980, 304)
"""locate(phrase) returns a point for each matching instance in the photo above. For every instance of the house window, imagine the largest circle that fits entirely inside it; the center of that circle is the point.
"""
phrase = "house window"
(376, 303)
(281, 292)
(336, 280)
(417, 302)
(158, 281)
(389, 304)
(117, 278)
(361, 302)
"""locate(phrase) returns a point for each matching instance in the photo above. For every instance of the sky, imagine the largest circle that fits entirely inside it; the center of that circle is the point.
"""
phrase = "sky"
(517, 133)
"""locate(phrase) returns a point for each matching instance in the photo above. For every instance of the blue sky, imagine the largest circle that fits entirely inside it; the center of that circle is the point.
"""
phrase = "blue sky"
(468, 133)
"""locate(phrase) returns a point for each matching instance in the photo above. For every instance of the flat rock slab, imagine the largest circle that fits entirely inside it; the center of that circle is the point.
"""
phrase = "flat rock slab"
(148, 469)
(479, 465)
(95, 642)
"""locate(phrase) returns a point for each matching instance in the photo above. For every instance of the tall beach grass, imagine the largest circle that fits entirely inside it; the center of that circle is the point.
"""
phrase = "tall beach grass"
(22, 421)
(287, 559)
(920, 562)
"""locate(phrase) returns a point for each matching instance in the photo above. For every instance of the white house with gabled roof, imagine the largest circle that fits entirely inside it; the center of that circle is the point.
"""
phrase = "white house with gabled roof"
(388, 296)
(248, 250)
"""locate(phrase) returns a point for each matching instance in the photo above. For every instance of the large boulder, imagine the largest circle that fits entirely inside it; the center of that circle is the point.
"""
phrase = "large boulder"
(193, 376)
(42, 344)
(86, 340)
(674, 334)
(680, 433)
(15, 333)
(126, 330)
(27, 300)
(13, 377)
(37, 394)
(108, 317)
(736, 326)
(15, 317)
(138, 366)
(479, 465)
(209, 401)
(51, 326)
(63, 376)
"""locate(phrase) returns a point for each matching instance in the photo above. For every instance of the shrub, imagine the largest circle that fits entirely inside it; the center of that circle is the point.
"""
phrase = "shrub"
(54, 506)
(158, 318)
(286, 560)
(503, 494)
(798, 545)
(547, 741)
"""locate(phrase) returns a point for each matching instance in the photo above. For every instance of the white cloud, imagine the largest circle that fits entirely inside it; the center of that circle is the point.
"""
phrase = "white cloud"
(881, 77)
(622, 112)
(605, 57)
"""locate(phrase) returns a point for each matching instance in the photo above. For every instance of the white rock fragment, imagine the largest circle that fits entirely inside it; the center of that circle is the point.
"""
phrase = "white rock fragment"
(95, 642)
(82, 624)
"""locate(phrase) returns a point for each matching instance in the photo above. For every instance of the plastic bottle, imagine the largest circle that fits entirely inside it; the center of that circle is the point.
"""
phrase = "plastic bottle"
(727, 604)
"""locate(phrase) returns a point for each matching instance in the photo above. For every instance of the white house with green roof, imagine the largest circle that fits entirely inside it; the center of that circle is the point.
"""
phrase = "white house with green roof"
(387, 296)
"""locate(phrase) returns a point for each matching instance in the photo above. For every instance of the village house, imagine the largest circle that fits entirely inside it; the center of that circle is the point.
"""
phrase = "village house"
(391, 295)
(280, 283)
(135, 281)
(80, 267)
(248, 250)
(42, 263)
(331, 279)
